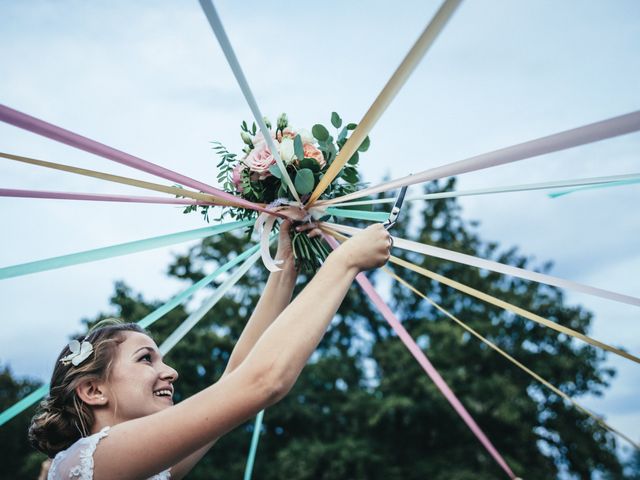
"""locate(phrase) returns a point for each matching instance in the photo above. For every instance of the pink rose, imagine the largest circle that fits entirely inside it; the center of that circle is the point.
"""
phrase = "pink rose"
(311, 151)
(259, 160)
(236, 176)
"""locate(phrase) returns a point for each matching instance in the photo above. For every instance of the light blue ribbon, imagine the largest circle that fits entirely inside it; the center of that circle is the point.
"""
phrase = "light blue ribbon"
(36, 395)
(23, 404)
(117, 250)
(358, 214)
(601, 185)
(255, 438)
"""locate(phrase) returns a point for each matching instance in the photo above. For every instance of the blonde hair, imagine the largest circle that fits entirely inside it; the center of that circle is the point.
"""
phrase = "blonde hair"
(62, 417)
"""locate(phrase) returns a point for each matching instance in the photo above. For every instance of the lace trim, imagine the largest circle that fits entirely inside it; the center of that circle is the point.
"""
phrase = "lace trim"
(84, 471)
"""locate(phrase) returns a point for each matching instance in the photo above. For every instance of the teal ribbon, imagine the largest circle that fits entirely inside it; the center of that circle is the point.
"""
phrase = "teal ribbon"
(36, 395)
(178, 299)
(588, 187)
(117, 250)
(23, 404)
(255, 438)
(191, 321)
(358, 214)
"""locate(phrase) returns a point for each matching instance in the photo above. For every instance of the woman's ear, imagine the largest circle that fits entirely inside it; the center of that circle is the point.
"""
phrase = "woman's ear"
(92, 393)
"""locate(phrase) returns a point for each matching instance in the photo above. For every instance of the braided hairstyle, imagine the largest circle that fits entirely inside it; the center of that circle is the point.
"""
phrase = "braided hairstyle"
(62, 417)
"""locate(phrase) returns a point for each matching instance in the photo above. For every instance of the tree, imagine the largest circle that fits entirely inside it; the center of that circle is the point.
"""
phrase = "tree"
(363, 408)
(17, 459)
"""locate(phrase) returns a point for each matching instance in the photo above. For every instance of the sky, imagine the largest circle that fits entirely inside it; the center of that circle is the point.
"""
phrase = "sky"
(149, 78)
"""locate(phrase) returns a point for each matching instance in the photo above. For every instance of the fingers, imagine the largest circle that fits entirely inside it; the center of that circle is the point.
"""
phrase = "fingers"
(316, 232)
(285, 226)
(304, 227)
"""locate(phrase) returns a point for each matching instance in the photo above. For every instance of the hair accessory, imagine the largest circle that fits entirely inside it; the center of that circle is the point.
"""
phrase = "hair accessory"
(79, 353)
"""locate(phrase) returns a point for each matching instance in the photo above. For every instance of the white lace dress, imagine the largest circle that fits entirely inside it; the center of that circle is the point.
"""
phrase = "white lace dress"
(76, 462)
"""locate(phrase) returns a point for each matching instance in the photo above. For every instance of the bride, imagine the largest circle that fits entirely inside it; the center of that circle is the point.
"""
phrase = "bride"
(110, 412)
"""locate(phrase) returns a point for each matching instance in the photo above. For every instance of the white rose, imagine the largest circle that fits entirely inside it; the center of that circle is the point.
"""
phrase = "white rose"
(306, 137)
(286, 150)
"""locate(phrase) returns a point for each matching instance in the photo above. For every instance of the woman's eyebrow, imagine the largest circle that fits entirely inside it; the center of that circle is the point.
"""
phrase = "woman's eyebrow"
(151, 349)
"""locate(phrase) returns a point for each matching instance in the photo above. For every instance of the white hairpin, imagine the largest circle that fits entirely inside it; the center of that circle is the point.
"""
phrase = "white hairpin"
(79, 352)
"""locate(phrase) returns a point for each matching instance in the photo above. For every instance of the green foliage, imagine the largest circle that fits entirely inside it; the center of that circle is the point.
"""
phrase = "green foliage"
(304, 181)
(336, 121)
(17, 459)
(320, 132)
(363, 408)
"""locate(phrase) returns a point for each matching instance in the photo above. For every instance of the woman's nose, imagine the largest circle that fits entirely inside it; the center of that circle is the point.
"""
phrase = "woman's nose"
(169, 373)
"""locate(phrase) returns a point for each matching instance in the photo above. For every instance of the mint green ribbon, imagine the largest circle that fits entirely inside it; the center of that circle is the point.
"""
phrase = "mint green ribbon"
(588, 187)
(358, 214)
(23, 404)
(255, 438)
(36, 395)
(117, 250)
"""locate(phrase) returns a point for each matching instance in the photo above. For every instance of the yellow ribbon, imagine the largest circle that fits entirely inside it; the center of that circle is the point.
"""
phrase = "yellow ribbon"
(387, 94)
(488, 342)
(499, 303)
(512, 308)
(180, 192)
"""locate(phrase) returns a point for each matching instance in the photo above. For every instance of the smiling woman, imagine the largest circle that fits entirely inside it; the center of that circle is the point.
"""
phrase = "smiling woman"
(111, 394)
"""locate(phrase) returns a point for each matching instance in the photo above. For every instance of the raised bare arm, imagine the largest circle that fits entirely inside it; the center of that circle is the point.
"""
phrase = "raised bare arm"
(274, 299)
(150, 444)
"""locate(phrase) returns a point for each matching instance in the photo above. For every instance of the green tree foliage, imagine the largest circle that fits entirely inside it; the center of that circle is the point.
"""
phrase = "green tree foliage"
(363, 408)
(17, 459)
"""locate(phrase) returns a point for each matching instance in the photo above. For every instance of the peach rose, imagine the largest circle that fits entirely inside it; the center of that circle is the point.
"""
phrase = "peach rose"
(311, 151)
(286, 133)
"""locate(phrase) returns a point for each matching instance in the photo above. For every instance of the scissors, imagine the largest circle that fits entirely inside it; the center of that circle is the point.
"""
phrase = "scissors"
(395, 211)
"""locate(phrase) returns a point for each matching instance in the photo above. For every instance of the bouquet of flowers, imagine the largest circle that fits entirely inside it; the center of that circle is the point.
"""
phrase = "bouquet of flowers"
(256, 177)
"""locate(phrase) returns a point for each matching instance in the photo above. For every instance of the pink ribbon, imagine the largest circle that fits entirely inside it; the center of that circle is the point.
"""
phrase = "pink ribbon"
(40, 127)
(424, 362)
(97, 197)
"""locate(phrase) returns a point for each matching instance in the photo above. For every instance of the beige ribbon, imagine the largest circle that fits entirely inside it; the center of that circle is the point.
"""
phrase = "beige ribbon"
(180, 192)
(523, 367)
(583, 135)
(497, 302)
(512, 308)
(387, 94)
(477, 262)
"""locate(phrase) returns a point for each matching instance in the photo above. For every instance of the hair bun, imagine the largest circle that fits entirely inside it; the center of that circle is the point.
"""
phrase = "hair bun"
(52, 429)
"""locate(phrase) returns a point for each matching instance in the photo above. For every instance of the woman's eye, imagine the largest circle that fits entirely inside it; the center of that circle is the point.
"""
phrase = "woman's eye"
(146, 358)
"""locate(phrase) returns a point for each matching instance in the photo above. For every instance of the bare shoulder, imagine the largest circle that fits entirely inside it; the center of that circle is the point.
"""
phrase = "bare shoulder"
(148, 445)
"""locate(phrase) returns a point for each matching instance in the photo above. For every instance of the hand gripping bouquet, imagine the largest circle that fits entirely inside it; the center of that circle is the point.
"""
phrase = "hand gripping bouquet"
(307, 155)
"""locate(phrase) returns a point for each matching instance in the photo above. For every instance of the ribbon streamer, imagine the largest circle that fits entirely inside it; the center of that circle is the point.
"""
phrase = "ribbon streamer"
(263, 226)
(96, 197)
(426, 364)
(497, 267)
(146, 322)
(118, 179)
(117, 250)
(216, 25)
(512, 308)
(255, 438)
(23, 404)
(590, 187)
(358, 214)
(593, 132)
(386, 96)
(597, 182)
(520, 365)
(40, 127)
(207, 305)
(185, 294)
